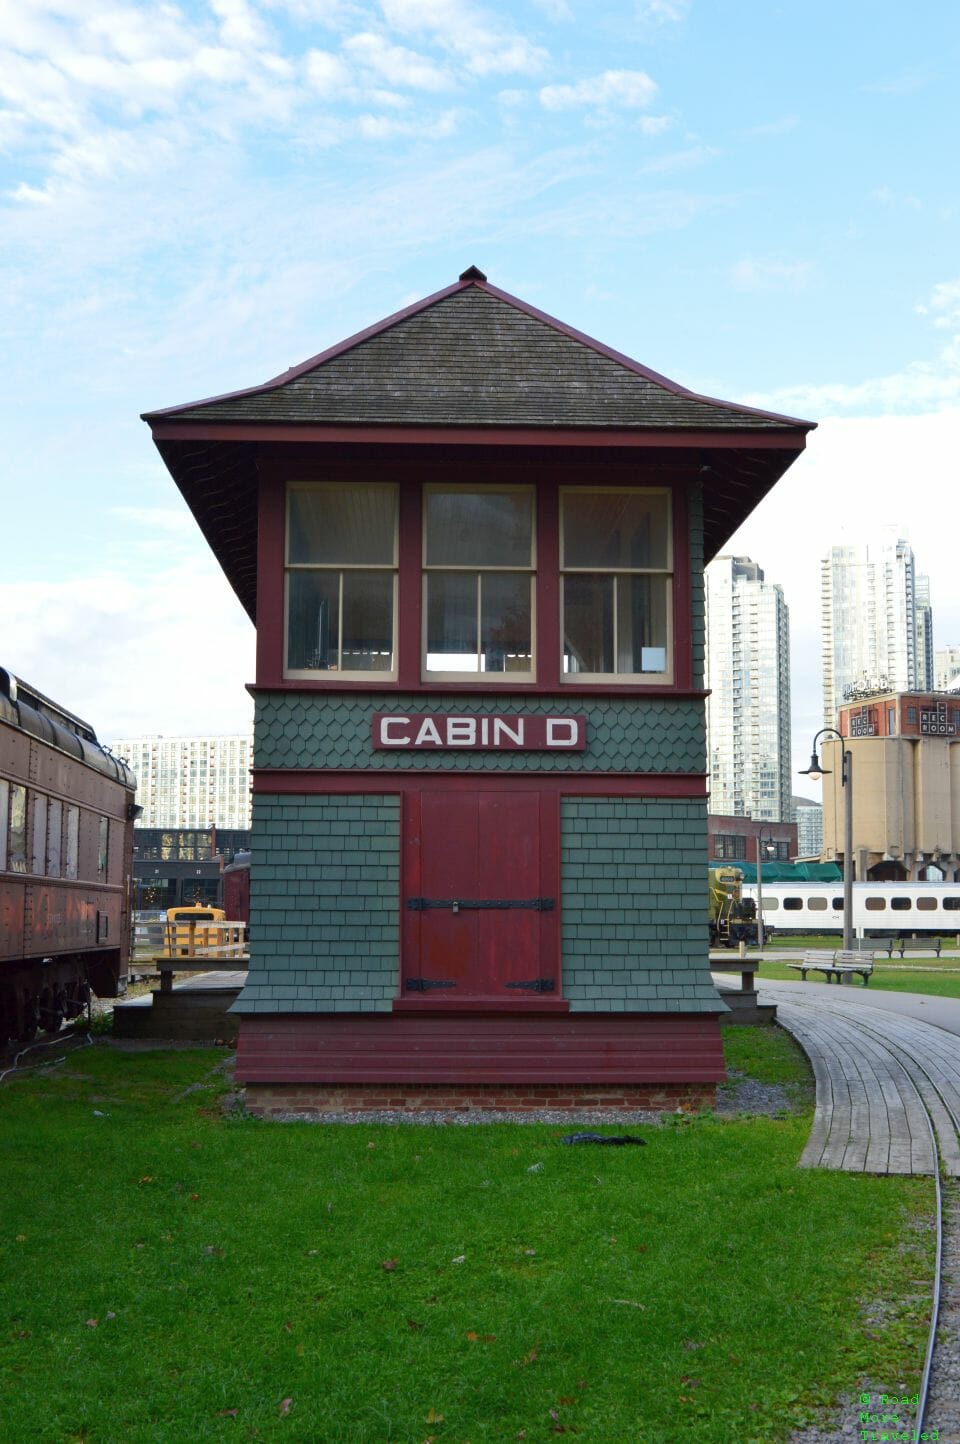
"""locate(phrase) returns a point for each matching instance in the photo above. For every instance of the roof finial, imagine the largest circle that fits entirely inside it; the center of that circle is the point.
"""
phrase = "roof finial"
(472, 273)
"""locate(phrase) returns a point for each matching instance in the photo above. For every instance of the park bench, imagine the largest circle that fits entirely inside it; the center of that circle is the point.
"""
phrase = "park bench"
(888, 943)
(910, 947)
(836, 966)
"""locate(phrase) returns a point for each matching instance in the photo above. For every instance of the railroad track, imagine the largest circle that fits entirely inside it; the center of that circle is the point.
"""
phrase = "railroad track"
(888, 1101)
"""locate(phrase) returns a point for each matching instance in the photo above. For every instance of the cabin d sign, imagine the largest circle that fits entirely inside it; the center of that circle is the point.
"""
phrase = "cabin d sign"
(473, 732)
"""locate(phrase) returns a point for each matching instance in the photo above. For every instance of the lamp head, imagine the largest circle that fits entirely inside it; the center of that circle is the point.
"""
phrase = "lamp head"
(814, 771)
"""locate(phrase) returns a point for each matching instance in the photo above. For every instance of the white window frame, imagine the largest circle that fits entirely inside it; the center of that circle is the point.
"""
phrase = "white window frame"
(493, 679)
(624, 679)
(310, 674)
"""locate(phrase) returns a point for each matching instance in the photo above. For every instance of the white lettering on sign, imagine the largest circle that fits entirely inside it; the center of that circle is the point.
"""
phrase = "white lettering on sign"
(501, 729)
(428, 734)
(562, 731)
(388, 737)
(533, 733)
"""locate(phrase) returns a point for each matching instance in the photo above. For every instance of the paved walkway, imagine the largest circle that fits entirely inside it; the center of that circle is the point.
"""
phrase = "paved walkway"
(884, 1075)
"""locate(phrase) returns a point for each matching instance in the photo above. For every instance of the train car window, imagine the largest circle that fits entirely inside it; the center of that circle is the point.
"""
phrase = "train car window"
(38, 860)
(771, 904)
(901, 904)
(102, 848)
(54, 837)
(793, 904)
(875, 904)
(4, 813)
(951, 904)
(71, 842)
(17, 829)
(836, 903)
(926, 904)
(817, 904)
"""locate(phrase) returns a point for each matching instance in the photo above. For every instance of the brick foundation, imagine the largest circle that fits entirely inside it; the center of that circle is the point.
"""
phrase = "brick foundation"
(267, 1100)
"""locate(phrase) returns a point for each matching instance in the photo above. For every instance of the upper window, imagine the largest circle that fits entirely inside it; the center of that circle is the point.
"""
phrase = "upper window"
(478, 581)
(341, 568)
(617, 565)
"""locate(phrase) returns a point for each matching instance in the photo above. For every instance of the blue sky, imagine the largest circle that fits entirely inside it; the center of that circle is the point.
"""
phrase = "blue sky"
(758, 199)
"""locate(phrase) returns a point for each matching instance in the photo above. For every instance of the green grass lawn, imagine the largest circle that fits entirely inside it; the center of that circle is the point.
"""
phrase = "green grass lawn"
(940, 977)
(172, 1274)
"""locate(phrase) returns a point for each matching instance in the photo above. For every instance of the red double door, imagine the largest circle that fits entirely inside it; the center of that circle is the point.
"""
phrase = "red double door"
(480, 896)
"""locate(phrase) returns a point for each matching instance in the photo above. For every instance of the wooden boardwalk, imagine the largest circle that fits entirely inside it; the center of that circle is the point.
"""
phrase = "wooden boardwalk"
(883, 1082)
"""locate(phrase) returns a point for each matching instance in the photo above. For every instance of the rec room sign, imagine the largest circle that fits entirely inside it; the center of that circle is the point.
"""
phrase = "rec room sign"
(473, 732)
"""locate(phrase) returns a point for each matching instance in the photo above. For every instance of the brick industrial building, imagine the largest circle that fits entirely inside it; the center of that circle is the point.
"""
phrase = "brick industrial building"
(473, 542)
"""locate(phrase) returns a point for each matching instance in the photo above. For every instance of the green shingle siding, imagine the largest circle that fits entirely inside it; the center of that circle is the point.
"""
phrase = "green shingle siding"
(631, 734)
(643, 943)
(325, 917)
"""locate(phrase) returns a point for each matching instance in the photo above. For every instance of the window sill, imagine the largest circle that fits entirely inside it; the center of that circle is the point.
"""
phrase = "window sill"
(536, 1003)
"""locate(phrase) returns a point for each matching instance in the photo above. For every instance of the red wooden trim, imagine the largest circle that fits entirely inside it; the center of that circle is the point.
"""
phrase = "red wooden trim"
(429, 1048)
(411, 885)
(271, 523)
(549, 641)
(409, 588)
(440, 1006)
(725, 440)
(569, 692)
(290, 782)
(682, 598)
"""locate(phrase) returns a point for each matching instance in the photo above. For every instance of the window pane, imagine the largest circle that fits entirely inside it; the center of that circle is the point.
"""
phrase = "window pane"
(452, 622)
(342, 526)
(39, 860)
(54, 830)
(587, 623)
(875, 904)
(901, 904)
(642, 624)
(4, 812)
(72, 842)
(367, 622)
(817, 904)
(615, 529)
(313, 620)
(505, 622)
(17, 829)
(103, 848)
(479, 528)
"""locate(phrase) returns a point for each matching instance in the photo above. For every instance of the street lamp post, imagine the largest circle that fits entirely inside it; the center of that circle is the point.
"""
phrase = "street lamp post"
(764, 844)
(815, 772)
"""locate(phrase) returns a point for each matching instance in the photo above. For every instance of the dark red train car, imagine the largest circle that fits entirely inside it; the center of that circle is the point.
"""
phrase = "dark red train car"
(66, 842)
(236, 889)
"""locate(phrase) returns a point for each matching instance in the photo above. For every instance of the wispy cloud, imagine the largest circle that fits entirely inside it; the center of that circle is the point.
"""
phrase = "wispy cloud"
(613, 89)
(661, 12)
(896, 199)
(479, 40)
(907, 82)
(755, 274)
(694, 155)
(780, 126)
(920, 386)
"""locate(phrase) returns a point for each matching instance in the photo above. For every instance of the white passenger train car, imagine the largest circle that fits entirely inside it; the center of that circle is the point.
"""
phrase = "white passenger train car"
(878, 907)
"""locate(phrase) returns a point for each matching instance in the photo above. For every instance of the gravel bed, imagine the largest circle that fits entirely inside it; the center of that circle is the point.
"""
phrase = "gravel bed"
(943, 1403)
(464, 1117)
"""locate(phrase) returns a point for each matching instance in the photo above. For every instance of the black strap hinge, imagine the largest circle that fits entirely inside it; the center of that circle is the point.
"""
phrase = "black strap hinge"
(420, 985)
(534, 985)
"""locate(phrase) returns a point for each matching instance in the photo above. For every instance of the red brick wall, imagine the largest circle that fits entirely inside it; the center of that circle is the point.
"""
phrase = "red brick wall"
(270, 1099)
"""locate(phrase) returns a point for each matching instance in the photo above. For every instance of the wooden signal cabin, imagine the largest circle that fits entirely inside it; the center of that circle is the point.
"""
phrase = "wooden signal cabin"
(472, 541)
